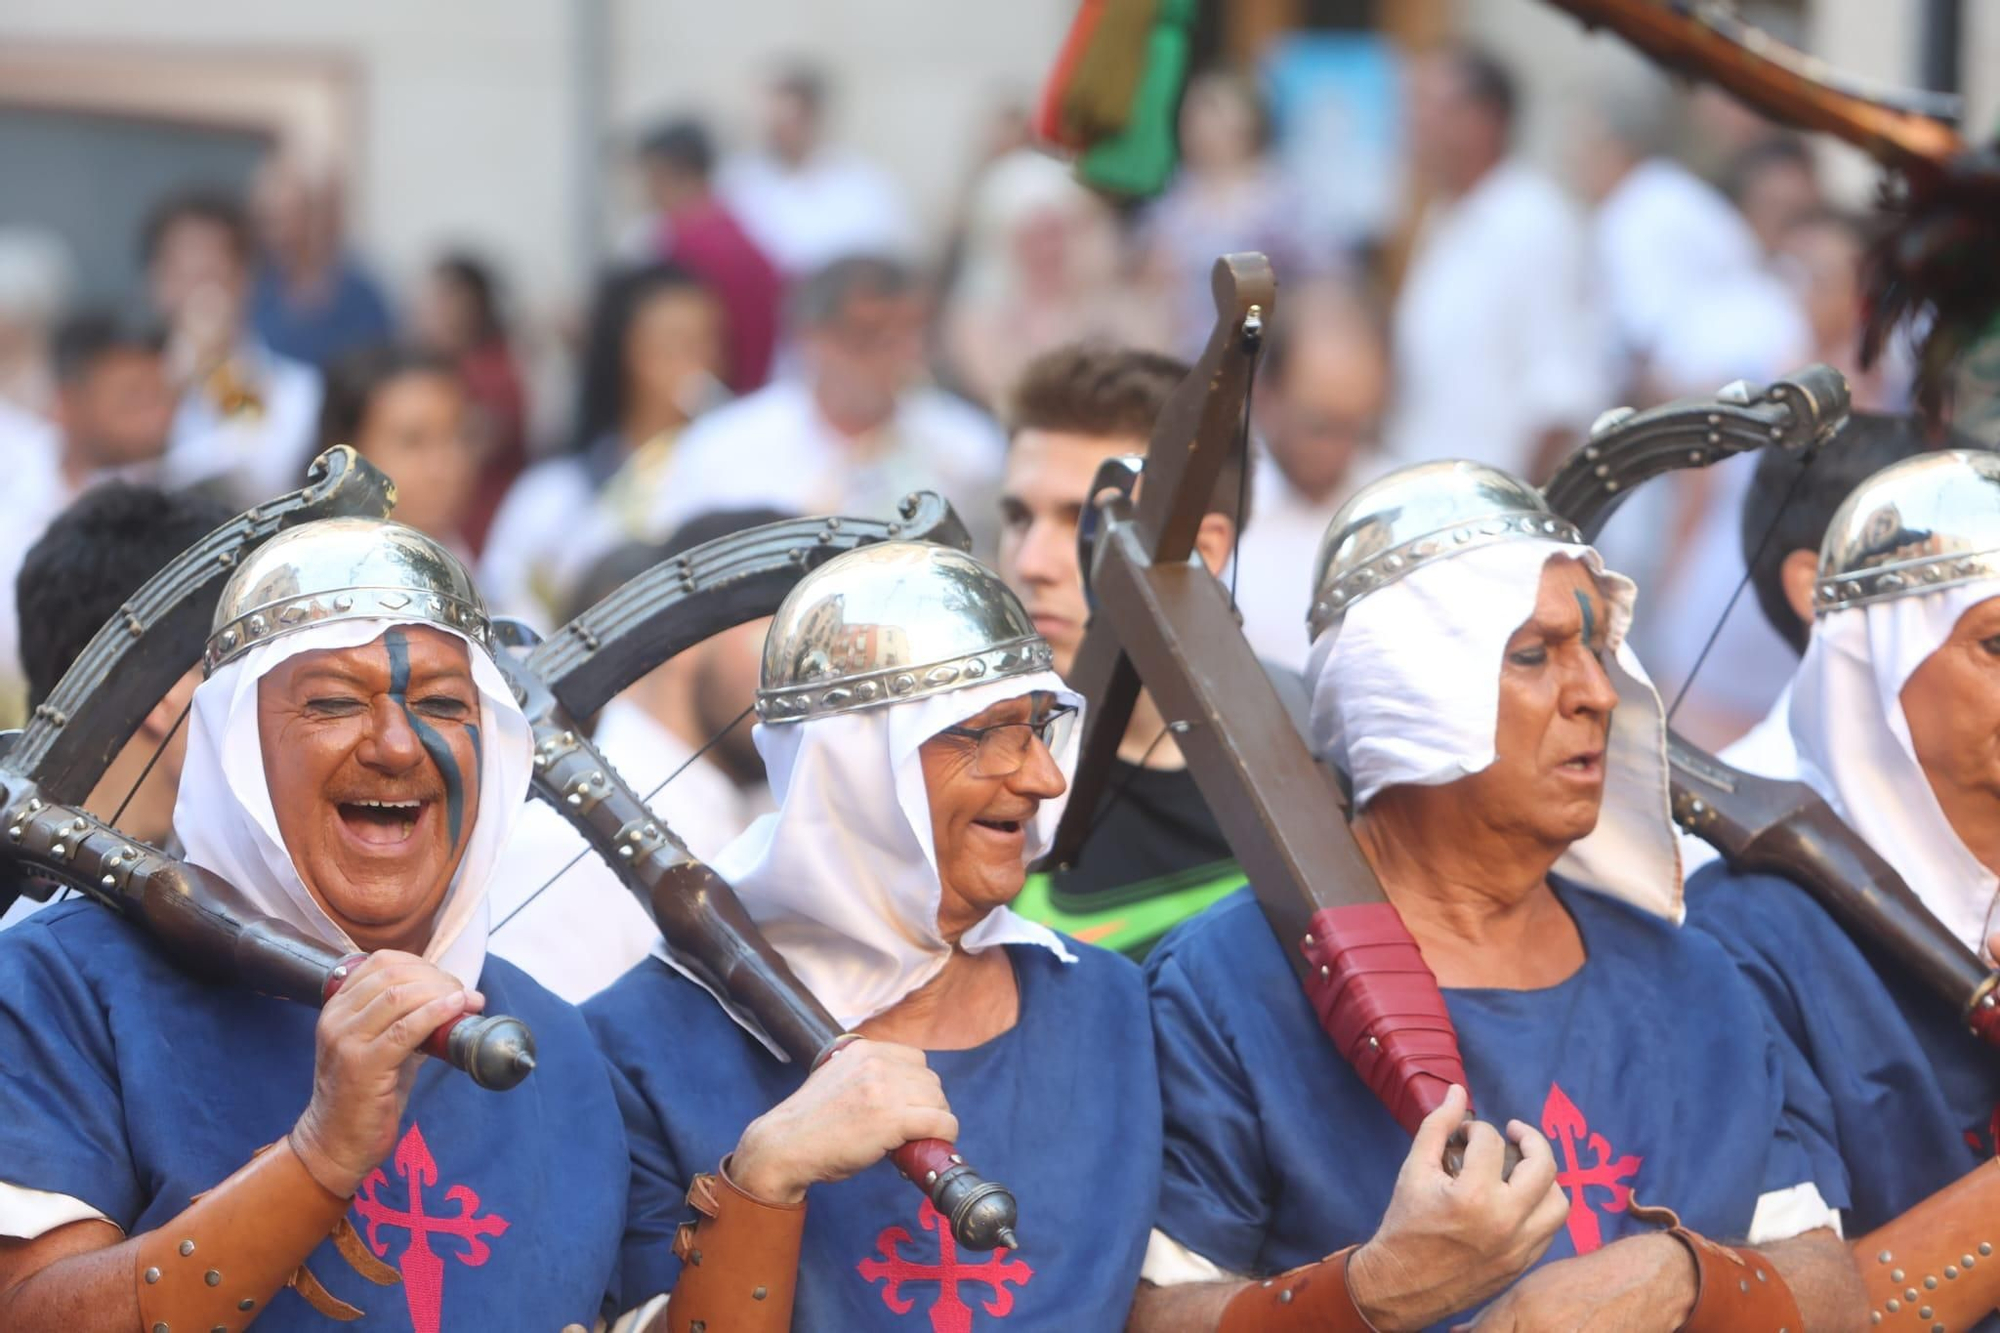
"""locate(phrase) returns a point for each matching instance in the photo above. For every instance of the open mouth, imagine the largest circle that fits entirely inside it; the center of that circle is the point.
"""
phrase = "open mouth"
(381, 823)
(1008, 826)
(1585, 765)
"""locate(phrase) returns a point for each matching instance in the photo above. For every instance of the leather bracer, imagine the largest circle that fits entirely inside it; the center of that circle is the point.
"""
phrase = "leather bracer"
(1736, 1291)
(1935, 1266)
(217, 1264)
(739, 1261)
(1314, 1297)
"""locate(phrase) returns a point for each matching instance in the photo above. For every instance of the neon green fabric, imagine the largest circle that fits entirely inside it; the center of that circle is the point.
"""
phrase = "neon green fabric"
(1133, 919)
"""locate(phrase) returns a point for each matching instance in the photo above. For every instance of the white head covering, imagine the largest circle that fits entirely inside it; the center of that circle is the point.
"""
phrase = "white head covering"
(224, 818)
(842, 878)
(1406, 689)
(1855, 749)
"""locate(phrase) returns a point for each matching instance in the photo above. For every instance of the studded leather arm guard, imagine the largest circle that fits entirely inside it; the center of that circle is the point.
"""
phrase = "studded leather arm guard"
(1313, 1297)
(217, 1264)
(1935, 1267)
(1736, 1291)
(739, 1261)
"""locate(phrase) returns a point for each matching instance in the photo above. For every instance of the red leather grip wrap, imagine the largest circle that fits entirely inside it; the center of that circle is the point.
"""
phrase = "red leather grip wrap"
(922, 1157)
(1377, 1000)
(438, 1044)
(1984, 1015)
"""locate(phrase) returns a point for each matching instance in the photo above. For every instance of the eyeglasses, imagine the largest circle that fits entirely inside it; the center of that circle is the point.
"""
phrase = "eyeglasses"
(1002, 749)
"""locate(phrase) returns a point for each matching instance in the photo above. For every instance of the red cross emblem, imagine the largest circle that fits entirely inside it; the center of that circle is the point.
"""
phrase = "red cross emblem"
(1566, 1128)
(423, 1268)
(949, 1314)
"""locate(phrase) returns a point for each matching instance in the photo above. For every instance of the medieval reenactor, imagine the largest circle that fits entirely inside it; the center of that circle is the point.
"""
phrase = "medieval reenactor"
(920, 747)
(1520, 829)
(1894, 710)
(179, 1153)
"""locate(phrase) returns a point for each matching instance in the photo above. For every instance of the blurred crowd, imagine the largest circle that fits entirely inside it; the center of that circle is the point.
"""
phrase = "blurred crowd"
(781, 337)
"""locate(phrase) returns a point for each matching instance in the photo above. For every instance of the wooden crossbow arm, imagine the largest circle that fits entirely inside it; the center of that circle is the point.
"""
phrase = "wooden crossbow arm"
(1160, 618)
(1906, 131)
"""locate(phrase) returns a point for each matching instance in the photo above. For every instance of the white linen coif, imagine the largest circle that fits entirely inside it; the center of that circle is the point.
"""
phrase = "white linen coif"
(225, 820)
(1855, 748)
(842, 878)
(1406, 689)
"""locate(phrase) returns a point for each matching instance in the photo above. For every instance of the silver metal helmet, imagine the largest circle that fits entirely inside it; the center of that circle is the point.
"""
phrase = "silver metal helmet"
(891, 622)
(1416, 515)
(343, 569)
(1916, 526)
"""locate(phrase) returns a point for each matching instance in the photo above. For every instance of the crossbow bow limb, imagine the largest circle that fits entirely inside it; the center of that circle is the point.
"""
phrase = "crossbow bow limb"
(203, 923)
(1759, 824)
(579, 668)
(1159, 619)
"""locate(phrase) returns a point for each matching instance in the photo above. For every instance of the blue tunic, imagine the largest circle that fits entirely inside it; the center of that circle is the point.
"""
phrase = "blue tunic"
(131, 1085)
(1062, 1108)
(1649, 1070)
(1915, 1097)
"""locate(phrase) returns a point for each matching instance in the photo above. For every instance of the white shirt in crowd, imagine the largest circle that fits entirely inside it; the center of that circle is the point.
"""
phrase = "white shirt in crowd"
(773, 448)
(1493, 336)
(259, 453)
(806, 217)
(586, 929)
(1660, 236)
(548, 533)
(1274, 558)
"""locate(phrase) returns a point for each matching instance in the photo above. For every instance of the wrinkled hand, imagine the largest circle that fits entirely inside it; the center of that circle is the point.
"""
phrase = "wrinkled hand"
(1449, 1242)
(1642, 1283)
(867, 1101)
(365, 1058)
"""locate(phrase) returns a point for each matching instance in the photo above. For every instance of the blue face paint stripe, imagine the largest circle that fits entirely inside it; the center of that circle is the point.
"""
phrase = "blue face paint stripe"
(427, 736)
(1589, 621)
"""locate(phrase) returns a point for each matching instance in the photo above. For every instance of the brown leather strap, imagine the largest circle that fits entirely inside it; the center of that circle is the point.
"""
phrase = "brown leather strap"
(739, 1261)
(218, 1263)
(1736, 1291)
(1313, 1297)
(1936, 1266)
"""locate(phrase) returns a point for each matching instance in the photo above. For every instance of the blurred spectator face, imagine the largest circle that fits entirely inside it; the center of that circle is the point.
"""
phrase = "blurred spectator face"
(1220, 124)
(1328, 405)
(791, 124)
(446, 315)
(197, 271)
(282, 207)
(865, 357)
(1776, 196)
(119, 410)
(1042, 492)
(416, 430)
(725, 685)
(1453, 137)
(673, 349)
(1821, 259)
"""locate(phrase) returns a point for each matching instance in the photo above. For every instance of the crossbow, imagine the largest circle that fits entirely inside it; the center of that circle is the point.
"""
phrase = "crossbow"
(1758, 824)
(579, 668)
(48, 770)
(1160, 620)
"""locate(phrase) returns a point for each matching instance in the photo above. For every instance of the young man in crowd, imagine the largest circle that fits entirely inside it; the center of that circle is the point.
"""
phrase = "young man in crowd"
(1155, 854)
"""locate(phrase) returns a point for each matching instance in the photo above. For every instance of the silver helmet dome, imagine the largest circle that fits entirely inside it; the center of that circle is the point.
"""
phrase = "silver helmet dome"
(1925, 523)
(890, 622)
(1418, 514)
(343, 569)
